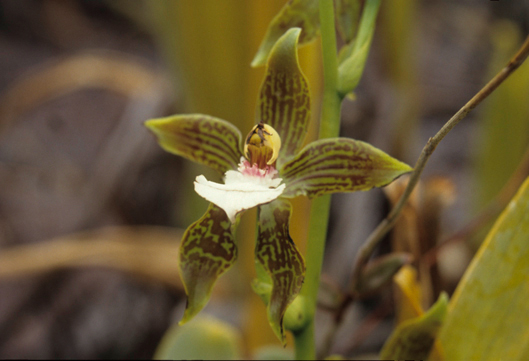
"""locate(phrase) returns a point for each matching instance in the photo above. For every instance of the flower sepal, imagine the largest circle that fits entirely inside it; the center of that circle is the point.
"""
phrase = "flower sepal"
(200, 138)
(207, 251)
(336, 165)
(279, 264)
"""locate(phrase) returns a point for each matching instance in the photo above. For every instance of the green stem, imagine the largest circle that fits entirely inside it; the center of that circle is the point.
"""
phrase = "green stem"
(319, 215)
(305, 348)
(332, 101)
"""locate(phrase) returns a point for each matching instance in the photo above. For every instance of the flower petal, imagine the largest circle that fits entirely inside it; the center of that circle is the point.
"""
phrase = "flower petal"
(278, 255)
(207, 251)
(238, 194)
(339, 165)
(295, 13)
(284, 101)
(203, 139)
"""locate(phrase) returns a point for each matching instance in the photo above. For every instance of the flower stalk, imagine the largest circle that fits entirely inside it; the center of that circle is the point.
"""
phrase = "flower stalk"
(319, 214)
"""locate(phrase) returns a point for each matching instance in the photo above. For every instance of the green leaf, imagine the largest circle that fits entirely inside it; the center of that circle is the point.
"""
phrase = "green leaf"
(489, 313)
(276, 253)
(347, 17)
(203, 139)
(284, 100)
(339, 165)
(413, 339)
(207, 251)
(352, 66)
(302, 14)
(205, 338)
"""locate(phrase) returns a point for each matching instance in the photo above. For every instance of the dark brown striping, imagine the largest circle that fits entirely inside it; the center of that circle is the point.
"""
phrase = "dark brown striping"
(191, 151)
(223, 130)
(203, 127)
(285, 105)
(207, 250)
(193, 136)
(331, 151)
(340, 184)
(216, 150)
(211, 235)
(279, 256)
(338, 162)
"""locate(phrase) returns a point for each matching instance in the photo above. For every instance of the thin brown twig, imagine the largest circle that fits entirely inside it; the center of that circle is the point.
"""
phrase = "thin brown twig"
(387, 224)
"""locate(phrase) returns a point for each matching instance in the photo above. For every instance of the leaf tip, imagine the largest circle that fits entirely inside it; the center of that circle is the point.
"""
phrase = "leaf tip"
(152, 124)
(284, 53)
(260, 58)
(190, 312)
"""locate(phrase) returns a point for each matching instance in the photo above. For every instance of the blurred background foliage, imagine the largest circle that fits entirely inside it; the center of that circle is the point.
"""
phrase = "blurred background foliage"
(91, 210)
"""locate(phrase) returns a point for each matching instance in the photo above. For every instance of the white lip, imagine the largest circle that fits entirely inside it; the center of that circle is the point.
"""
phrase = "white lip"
(239, 192)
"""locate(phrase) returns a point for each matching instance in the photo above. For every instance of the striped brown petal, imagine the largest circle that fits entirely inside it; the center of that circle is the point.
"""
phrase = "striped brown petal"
(284, 100)
(207, 251)
(277, 254)
(339, 165)
(201, 138)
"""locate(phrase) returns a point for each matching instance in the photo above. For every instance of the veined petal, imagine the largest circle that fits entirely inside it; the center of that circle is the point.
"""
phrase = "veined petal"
(207, 251)
(203, 139)
(278, 255)
(284, 100)
(240, 192)
(339, 165)
(295, 13)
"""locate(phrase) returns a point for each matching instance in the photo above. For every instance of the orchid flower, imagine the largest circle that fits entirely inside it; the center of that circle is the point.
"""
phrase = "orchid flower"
(265, 170)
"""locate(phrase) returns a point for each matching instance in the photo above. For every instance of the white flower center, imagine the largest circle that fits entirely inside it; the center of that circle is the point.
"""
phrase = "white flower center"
(245, 188)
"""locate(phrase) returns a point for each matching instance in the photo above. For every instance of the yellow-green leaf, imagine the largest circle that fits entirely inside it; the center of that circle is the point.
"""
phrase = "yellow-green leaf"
(284, 100)
(276, 253)
(207, 251)
(201, 138)
(413, 339)
(302, 14)
(489, 312)
(352, 65)
(339, 165)
(205, 338)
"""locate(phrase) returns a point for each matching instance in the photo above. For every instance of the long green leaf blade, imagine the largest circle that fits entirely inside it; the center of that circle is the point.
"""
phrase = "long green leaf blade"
(207, 251)
(296, 13)
(489, 313)
(284, 100)
(277, 254)
(339, 165)
(201, 138)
